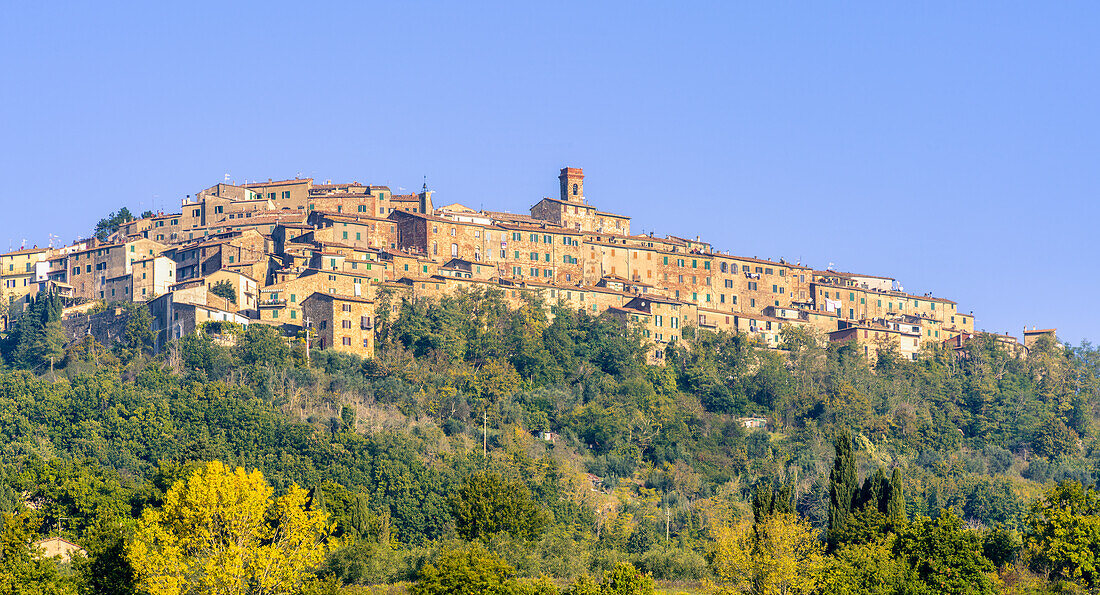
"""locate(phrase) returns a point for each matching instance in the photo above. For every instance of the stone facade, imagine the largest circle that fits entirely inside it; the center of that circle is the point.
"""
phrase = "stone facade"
(341, 322)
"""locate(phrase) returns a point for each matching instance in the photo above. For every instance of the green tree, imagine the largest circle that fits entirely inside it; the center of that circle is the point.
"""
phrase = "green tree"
(486, 505)
(895, 505)
(261, 345)
(465, 569)
(110, 224)
(623, 579)
(843, 484)
(225, 290)
(22, 569)
(139, 336)
(864, 569)
(1063, 534)
(945, 556)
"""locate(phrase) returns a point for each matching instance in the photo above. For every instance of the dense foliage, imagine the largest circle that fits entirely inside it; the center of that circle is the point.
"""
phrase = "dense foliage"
(542, 439)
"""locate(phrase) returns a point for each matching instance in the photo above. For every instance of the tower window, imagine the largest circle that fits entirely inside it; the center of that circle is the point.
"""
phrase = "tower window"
(574, 189)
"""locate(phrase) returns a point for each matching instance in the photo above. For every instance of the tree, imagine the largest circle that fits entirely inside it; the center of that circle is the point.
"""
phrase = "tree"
(465, 569)
(37, 338)
(110, 224)
(945, 556)
(623, 579)
(221, 531)
(261, 345)
(139, 336)
(1063, 533)
(843, 484)
(486, 505)
(864, 569)
(224, 289)
(22, 570)
(781, 554)
(895, 505)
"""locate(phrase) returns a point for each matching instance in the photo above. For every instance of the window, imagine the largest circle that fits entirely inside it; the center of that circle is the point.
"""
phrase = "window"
(454, 250)
(694, 264)
(574, 189)
(534, 256)
(666, 260)
(347, 341)
(345, 323)
(286, 194)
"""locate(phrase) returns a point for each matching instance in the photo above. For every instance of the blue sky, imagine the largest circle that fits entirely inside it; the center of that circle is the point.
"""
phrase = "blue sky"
(952, 147)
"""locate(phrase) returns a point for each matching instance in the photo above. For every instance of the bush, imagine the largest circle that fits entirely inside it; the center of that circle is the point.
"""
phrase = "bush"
(465, 568)
(672, 563)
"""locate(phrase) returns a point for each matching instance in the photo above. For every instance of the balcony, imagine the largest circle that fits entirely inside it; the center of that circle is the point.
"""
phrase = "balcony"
(272, 303)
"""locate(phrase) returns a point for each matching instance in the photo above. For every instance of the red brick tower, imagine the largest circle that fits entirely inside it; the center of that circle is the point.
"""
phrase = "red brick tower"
(572, 184)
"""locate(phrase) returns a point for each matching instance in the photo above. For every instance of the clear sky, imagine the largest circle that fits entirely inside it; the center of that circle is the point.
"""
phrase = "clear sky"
(953, 146)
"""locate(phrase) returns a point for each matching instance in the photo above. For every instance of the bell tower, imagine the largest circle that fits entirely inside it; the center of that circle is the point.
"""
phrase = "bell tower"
(572, 184)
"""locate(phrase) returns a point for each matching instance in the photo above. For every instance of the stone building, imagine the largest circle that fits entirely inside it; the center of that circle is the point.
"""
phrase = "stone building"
(341, 322)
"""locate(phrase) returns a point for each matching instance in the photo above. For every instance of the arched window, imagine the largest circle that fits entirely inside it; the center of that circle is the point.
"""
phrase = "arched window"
(723, 267)
(574, 189)
(454, 249)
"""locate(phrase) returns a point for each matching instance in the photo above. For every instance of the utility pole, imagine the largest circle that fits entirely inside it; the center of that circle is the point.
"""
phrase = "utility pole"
(59, 519)
(307, 340)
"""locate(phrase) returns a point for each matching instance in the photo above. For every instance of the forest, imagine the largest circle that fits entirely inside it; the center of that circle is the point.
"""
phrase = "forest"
(533, 450)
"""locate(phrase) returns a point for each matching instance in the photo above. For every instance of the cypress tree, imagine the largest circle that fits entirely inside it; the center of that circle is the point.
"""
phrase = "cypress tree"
(843, 484)
(895, 504)
(875, 492)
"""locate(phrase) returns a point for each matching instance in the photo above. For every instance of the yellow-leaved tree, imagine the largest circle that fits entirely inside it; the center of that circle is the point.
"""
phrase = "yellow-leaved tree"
(779, 555)
(221, 531)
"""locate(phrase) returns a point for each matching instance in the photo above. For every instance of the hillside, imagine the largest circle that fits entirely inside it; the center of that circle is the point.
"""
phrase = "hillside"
(618, 460)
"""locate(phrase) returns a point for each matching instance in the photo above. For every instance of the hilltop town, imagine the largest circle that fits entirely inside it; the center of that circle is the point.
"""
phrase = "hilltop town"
(298, 255)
